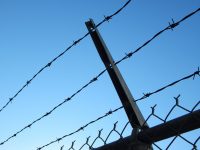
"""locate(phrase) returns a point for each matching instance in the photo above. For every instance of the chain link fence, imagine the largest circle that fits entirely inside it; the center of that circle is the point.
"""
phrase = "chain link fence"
(189, 140)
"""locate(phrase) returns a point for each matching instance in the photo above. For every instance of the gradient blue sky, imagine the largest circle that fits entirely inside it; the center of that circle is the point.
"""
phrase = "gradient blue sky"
(34, 32)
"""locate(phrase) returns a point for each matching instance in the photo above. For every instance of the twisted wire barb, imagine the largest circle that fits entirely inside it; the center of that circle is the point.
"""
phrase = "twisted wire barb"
(115, 110)
(106, 19)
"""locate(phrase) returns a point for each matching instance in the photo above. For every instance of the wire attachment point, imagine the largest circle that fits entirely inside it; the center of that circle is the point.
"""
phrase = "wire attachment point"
(146, 95)
(129, 54)
(28, 82)
(173, 25)
(107, 18)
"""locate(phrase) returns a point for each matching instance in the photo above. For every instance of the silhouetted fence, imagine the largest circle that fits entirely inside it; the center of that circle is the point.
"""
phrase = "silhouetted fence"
(174, 128)
(143, 136)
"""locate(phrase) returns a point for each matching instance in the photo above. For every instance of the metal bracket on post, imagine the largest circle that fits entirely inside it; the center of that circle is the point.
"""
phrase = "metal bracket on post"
(135, 117)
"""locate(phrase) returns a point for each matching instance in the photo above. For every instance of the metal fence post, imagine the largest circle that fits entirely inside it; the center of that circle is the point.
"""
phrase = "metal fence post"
(135, 117)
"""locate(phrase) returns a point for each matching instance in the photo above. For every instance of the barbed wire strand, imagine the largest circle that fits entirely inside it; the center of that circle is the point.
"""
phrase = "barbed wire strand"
(170, 26)
(99, 137)
(106, 19)
(130, 54)
(171, 84)
(81, 128)
(100, 74)
(56, 107)
(115, 110)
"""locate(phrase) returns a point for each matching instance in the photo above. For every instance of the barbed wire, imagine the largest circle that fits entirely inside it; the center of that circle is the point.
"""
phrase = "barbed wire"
(56, 107)
(169, 27)
(102, 72)
(115, 110)
(193, 75)
(114, 130)
(49, 64)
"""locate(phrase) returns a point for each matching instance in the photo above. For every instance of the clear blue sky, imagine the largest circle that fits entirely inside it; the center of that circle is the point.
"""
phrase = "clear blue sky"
(34, 32)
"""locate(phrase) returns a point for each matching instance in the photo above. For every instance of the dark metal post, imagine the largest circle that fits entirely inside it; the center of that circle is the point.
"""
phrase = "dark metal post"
(134, 115)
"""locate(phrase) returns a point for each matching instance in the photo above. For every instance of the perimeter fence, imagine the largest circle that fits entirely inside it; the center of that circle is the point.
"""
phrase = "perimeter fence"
(140, 137)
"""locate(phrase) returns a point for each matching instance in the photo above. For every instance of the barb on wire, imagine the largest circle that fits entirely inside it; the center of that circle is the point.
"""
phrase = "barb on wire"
(107, 18)
(115, 110)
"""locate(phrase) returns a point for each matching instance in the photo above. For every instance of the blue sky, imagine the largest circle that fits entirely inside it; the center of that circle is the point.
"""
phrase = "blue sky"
(34, 32)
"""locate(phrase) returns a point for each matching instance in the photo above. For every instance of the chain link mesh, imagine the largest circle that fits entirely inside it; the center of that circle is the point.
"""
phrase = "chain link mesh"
(190, 139)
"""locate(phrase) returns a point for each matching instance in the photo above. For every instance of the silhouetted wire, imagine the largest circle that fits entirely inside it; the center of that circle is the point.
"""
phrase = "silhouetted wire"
(102, 72)
(170, 26)
(81, 128)
(106, 19)
(171, 84)
(115, 110)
